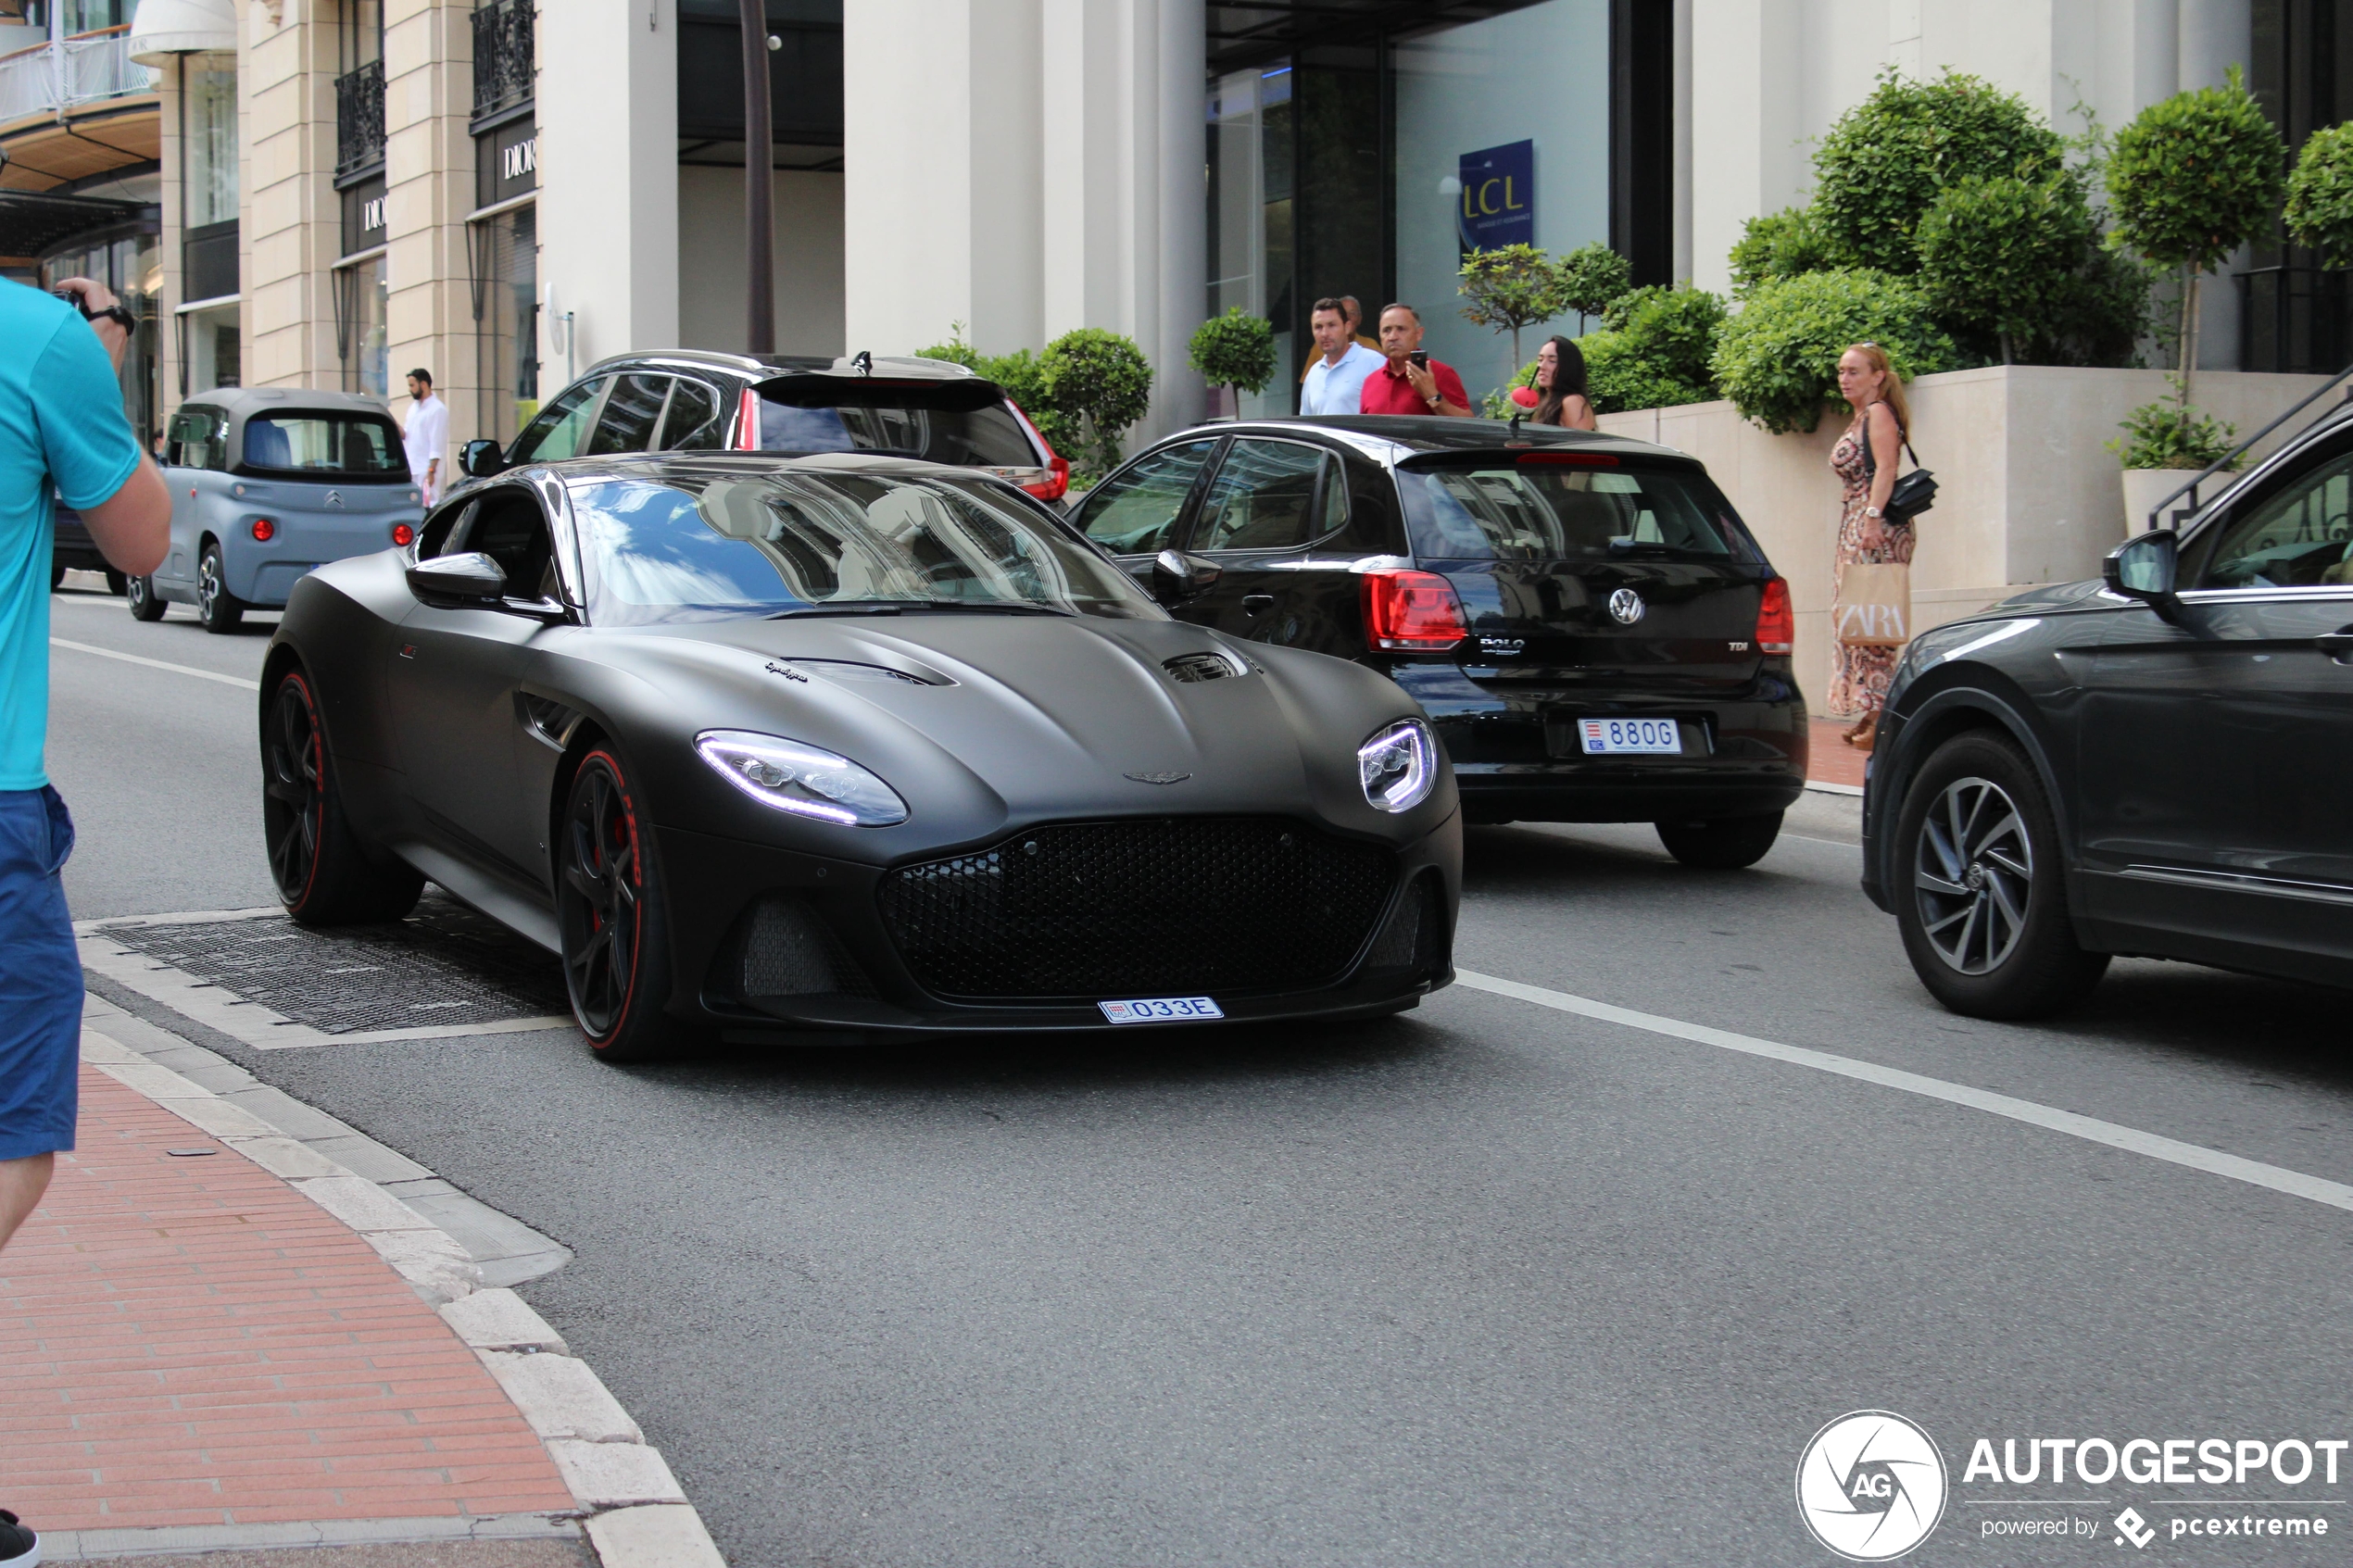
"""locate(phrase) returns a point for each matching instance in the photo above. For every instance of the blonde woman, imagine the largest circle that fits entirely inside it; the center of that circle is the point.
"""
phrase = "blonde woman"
(1864, 461)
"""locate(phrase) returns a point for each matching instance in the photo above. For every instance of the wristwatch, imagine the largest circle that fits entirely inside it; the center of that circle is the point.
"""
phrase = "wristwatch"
(114, 313)
(1434, 399)
(1873, 511)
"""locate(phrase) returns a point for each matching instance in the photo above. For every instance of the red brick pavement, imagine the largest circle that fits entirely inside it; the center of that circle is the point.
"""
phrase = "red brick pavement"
(190, 1341)
(1830, 759)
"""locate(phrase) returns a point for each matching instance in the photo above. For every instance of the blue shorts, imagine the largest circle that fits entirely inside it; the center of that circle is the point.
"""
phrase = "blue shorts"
(40, 977)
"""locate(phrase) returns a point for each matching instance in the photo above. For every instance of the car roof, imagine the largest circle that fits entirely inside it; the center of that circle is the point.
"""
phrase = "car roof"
(1393, 438)
(763, 367)
(707, 464)
(243, 402)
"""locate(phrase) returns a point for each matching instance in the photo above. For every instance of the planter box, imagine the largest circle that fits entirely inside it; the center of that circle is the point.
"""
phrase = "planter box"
(2027, 488)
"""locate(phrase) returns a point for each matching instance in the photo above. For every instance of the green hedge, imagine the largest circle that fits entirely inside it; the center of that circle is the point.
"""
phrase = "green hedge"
(1778, 359)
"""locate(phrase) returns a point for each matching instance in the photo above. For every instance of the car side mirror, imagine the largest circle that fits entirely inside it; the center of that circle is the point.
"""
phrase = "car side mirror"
(2143, 568)
(480, 459)
(471, 578)
(1178, 576)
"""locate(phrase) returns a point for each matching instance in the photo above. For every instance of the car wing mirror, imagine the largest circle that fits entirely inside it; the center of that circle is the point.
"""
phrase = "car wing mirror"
(2143, 568)
(471, 578)
(1178, 576)
(480, 459)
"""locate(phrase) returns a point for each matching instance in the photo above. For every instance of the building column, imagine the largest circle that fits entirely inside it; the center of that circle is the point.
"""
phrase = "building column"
(287, 84)
(1747, 86)
(428, 188)
(607, 118)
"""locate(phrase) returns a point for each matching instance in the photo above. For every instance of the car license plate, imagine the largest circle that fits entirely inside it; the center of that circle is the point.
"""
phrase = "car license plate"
(1161, 1009)
(1646, 738)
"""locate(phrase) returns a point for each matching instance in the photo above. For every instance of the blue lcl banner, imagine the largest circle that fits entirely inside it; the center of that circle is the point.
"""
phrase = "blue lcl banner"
(1499, 196)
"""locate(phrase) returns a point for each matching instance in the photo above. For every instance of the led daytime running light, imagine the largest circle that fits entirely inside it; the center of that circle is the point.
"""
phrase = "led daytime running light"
(1399, 766)
(803, 780)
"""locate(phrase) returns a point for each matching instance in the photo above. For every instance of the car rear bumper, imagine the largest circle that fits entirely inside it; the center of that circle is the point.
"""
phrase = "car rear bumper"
(1507, 794)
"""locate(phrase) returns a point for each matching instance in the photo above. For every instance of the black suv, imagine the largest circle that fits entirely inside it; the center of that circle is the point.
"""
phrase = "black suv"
(688, 400)
(2150, 764)
(1593, 632)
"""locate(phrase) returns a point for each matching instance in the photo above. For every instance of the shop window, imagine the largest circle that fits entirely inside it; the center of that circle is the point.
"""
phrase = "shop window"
(505, 259)
(363, 292)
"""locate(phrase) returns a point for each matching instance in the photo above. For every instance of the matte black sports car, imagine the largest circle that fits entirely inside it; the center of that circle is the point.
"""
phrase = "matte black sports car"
(2154, 764)
(846, 746)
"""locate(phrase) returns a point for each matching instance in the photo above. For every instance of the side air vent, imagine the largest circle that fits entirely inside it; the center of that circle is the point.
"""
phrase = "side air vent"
(783, 948)
(1187, 669)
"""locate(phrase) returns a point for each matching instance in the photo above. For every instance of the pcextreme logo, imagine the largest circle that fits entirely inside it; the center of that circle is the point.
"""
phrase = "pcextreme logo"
(1871, 1485)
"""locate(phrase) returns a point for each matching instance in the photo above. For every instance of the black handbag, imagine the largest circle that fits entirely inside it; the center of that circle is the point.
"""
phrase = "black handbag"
(1913, 492)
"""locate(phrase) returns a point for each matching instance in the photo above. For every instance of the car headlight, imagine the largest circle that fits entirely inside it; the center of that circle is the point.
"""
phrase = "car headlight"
(801, 778)
(1399, 766)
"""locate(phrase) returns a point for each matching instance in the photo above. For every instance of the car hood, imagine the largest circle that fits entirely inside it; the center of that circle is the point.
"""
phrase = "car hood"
(984, 721)
(2047, 598)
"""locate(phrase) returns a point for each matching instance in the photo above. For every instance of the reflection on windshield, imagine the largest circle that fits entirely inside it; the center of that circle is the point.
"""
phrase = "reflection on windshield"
(697, 547)
(1542, 512)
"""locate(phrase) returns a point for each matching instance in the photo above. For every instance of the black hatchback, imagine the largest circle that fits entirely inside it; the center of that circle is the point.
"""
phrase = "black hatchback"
(2151, 764)
(1595, 634)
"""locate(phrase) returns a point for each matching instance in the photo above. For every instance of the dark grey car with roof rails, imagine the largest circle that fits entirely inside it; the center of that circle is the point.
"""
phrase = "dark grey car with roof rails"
(1595, 634)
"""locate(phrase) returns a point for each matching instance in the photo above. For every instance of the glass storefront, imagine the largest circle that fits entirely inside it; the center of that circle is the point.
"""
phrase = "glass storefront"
(210, 348)
(133, 267)
(1337, 167)
(363, 294)
(209, 176)
(506, 318)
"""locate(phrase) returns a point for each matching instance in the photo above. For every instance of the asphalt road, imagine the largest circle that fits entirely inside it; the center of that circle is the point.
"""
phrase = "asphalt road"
(1490, 1283)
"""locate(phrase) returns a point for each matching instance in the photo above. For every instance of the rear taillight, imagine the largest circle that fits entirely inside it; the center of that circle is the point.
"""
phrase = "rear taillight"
(1413, 611)
(748, 422)
(1776, 622)
(1056, 483)
(402, 534)
(264, 530)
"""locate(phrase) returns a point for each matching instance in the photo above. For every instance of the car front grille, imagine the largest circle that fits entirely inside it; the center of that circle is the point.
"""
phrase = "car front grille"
(1168, 906)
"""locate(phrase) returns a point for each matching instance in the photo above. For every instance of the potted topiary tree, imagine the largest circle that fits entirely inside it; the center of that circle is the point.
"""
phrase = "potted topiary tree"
(1234, 350)
(1509, 288)
(1099, 383)
(2192, 179)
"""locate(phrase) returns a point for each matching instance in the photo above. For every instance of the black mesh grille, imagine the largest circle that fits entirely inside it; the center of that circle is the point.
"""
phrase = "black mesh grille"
(1137, 908)
(787, 949)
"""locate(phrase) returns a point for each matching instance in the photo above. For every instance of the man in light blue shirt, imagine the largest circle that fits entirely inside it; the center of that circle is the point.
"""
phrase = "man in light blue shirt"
(62, 432)
(1336, 381)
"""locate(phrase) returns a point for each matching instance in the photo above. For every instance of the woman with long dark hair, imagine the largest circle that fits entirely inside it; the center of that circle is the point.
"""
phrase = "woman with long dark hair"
(1561, 397)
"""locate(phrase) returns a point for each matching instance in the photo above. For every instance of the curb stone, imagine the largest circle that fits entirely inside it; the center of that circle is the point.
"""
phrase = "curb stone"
(637, 1515)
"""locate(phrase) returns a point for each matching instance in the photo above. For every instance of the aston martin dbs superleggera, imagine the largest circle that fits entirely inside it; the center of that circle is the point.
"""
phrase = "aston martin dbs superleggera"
(844, 747)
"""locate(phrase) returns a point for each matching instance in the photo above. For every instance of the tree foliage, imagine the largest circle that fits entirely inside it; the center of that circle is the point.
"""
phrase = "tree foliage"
(1234, 350)
(1510, 287)
(2195, 176)
(1100, 382)
(2320, 195)
(1779, 244)
(2002, 251)
(1592, 278)
(2169, 435)
(1778, 359)
(1883, 165)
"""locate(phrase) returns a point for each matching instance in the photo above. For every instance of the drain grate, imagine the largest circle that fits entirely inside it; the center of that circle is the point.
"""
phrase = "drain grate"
(443, 965)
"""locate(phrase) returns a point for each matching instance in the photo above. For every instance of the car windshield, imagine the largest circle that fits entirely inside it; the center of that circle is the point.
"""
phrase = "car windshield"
(965, 423)
(345, 445)
(728, 542)
(1544, 508)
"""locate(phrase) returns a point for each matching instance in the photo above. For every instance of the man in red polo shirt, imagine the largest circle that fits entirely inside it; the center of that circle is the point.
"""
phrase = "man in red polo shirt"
(1403, 387)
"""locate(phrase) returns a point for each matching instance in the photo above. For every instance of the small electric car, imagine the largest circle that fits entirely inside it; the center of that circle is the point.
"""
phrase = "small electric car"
(267, 483)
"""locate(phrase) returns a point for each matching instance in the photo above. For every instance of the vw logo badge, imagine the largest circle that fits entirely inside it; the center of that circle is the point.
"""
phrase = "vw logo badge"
(334, 497)
(1625, 606)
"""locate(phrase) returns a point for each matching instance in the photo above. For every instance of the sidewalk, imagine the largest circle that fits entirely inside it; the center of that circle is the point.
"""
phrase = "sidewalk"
(197, 1355)
(1830, 759)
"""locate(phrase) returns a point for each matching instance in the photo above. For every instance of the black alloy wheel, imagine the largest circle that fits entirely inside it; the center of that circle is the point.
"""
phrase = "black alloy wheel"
(325, 875)
(611, 917)
(221, 611)
(1723, 844)
(1982, 896)
(140, 597)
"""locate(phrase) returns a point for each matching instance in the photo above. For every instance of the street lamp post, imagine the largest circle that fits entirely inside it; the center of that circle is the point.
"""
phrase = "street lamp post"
(759, 221)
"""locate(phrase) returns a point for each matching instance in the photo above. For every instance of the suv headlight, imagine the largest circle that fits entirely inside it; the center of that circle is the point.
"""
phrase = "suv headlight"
(1399, 766)
(801, 778)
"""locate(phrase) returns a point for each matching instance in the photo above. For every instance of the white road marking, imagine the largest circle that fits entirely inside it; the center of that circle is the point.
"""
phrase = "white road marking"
(2089, 1128)
(157, 664)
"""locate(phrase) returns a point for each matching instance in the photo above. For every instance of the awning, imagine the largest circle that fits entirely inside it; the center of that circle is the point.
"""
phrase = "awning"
(33, 223)
(165, 28)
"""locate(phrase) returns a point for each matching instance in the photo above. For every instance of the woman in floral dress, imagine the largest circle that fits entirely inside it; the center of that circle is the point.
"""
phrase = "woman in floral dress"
(1858, 681)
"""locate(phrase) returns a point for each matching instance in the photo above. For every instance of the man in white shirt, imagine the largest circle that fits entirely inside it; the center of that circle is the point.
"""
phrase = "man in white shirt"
(1336, 380)
(427, 436)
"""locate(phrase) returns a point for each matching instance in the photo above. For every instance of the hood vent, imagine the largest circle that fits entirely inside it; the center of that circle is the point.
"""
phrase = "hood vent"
(1187, 668)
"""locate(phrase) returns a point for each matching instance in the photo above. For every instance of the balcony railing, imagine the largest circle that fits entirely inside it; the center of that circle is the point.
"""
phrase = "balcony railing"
(359, 118)
(66, 73)
(503, 55)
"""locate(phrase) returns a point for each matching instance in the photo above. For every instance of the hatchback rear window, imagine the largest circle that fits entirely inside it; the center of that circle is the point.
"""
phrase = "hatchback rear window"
(966, 424)
(345, 445)
(1540, 507)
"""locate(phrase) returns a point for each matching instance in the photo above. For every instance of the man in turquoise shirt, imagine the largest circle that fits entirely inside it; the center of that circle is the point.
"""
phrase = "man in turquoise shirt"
(62, 432)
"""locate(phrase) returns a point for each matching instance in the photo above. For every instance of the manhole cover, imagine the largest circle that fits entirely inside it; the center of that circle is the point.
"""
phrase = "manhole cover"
(443, 965)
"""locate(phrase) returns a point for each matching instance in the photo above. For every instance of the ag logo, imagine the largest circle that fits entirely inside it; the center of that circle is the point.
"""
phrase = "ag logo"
(1871, 1485)
(1625, 606)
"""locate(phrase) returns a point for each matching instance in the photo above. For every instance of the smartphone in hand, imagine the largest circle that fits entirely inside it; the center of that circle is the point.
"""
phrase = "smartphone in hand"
(1420, 356)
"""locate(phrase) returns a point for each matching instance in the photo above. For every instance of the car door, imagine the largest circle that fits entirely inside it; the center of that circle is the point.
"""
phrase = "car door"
(1136, 513)
(1266, 506)
(631, 411)
(195, 446)
(2215, 748)
(452, 679)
